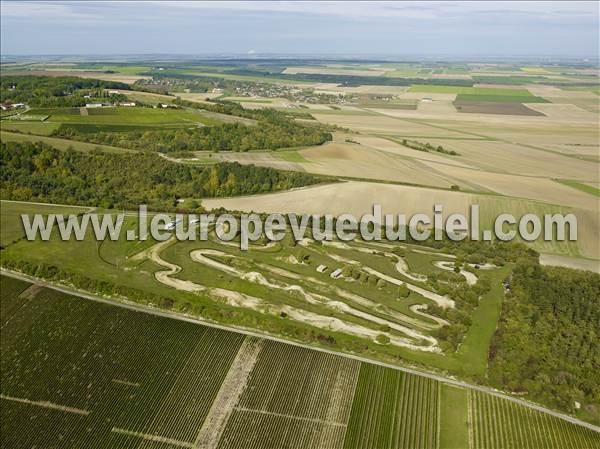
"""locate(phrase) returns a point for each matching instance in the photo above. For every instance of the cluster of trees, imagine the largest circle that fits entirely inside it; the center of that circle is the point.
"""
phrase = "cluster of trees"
(427, 147)
(47, 91)
(547, 343)
(225, 137)
(35, 171)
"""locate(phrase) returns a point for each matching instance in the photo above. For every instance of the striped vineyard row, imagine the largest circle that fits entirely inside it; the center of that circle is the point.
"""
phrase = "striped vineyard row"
(499, 423)
(393, 409)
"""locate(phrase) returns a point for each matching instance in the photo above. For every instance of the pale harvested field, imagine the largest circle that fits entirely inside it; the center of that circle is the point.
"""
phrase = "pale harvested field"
(359, 161)
(358, 198)
(380, 124)
(583, 118)
(389, 146)
(570, 262)
(589, 151)
(564, 112)
(198, 97)
(334, 89)
(540, 132)
(541, 189)
(352, 197)
(264, 159)
(516, 159)
(550, 92)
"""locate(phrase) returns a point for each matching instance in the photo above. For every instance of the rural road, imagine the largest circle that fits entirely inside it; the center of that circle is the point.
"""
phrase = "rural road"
(166, 314)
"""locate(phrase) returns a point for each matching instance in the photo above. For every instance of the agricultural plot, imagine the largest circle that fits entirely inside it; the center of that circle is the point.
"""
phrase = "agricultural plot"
(392, 410)
(119, 378)
(357, 198)
(123, 116)
(498, 423)
(125, 391)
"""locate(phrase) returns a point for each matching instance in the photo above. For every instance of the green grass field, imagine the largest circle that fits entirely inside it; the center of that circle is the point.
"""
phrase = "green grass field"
(11, 226)
(40, 128)
(454, 431)
(124, 116)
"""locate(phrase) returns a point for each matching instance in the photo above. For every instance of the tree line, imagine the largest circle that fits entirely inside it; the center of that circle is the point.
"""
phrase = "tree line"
(38, 172)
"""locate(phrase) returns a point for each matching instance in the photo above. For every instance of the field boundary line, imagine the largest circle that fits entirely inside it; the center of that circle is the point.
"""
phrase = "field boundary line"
(150, 437)
(46, 404)
(198, 320)
(295, 418)
(125, 382)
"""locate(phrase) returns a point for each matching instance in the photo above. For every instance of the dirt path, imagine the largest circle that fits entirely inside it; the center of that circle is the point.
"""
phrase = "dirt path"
(229, 394)
(442, 301)
(150, 437)
(164, 277)
(449, 266)
(46, 404)
(312, 298)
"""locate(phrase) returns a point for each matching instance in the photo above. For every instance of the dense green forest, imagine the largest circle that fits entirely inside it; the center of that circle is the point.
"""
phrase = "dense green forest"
(547, 343)
(37, 172)
(225, 137)
(47, 91)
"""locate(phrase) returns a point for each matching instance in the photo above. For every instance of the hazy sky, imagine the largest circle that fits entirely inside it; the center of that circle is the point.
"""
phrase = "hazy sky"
(303, 27)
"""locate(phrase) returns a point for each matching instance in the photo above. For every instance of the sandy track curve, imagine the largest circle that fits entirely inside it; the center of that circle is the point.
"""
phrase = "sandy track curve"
(449, 266)
(200, 256)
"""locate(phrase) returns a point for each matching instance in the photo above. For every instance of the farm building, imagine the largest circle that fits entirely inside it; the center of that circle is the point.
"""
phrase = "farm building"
(321, 268)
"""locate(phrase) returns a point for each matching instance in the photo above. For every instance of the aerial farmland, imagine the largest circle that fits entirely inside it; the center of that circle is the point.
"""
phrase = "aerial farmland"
(138, 307)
